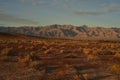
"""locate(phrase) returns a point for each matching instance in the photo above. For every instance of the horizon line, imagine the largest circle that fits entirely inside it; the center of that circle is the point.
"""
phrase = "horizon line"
(59, 25)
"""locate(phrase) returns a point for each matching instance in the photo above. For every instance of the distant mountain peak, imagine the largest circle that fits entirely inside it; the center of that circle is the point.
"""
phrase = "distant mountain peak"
(66, 31)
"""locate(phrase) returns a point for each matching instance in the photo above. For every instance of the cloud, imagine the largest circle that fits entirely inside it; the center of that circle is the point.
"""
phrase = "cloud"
(106, 10)
(24, 1)
(38, 3)
(34, 2)
(69, 4)
(2, 24)
(112, 8)
(89, 12)
(54, 3)
(4, 17)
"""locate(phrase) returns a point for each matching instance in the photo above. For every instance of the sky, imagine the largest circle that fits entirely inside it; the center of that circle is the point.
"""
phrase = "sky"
(104, 13)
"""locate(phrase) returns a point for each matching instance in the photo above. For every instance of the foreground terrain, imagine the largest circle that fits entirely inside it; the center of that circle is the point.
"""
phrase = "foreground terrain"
(30, 58)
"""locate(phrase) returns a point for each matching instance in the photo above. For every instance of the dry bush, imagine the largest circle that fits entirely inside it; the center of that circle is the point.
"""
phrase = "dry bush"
(36, 65)
(117, 55)
(85, 76)
(116, 70)
(61, 51)
(95, 51)
(93, 58)
(5, 58)
(76, 77)
(86, 51)
(44, 47)
(71, 55)
(5, 51)
(20, 46)
(4, 54)
(106, 52)
(24, 61)
(48, 51)
(63, 72)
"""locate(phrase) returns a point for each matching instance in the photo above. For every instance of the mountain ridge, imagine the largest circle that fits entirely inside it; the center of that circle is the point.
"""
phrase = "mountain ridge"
(66, 31)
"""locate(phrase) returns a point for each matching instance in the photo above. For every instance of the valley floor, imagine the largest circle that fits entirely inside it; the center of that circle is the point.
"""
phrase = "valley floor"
(58, 59)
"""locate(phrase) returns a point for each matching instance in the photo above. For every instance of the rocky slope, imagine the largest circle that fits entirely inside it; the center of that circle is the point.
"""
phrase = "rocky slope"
(66, 31)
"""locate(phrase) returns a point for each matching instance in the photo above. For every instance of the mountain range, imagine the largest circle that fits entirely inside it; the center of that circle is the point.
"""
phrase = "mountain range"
(66, 31)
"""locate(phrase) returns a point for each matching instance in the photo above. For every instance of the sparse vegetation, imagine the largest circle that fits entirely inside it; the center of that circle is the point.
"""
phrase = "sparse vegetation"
(58, 59)
(5, 54)
(116, 70)
(5, 51)
(25, 61)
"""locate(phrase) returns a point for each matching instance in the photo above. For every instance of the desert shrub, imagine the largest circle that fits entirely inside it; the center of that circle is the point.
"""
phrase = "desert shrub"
(5, 58)
(24, 61)
(44, 47)
(71, 55)
(47, 51)
(85, 76)
(5, 51)
(117, 55)
(75, 77)
(5, 54)
(27, 59)
(106, 52)
(92, 58)
(116, 70)
(20, 46)
(34, 64)
(13, 53)
(95, 51)
(86, 51)
(61, 51)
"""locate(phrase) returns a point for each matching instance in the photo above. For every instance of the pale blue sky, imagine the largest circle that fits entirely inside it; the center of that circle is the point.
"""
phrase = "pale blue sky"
(104, 13)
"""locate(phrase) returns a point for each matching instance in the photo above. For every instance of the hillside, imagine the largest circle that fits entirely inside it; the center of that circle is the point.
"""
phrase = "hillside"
(66, 31)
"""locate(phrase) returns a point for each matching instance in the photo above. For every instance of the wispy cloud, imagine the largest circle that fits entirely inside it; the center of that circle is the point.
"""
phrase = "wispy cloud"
(5, 17)
(108, 9)
(24, 1)
(2, 24)
(54, 3)
(35, 2)
(68, 4)
(89, 12)
(38, 3)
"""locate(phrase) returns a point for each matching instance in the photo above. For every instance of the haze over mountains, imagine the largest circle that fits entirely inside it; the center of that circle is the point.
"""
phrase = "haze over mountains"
(66, 31)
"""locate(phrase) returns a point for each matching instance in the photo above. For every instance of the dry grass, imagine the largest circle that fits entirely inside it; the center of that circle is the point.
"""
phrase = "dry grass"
(57, 59)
